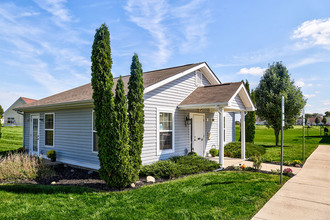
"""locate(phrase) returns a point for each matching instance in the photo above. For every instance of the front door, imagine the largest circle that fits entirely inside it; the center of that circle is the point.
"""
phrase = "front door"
(198, 133)
(35, 134)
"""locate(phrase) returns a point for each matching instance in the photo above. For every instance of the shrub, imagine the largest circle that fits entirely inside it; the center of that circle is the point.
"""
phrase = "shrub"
(22, 166)
(287, 172)
(214, 152)
(196, 164)
(160, 169)
(297, 162)
(257, 160)
(52, 155)
(178, 165)
(233, 149)
(192, 154)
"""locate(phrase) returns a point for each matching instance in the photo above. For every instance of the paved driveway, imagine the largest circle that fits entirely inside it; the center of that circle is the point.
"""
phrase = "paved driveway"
(306, 195)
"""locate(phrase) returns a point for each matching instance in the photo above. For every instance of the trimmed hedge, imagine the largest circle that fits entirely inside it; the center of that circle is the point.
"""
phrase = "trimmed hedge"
(233, 149)
(177, 166)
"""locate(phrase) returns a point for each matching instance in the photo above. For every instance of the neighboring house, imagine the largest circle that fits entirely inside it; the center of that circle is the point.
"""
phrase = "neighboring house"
(182, 106)
(260, 122)
(299, 121)
(311, 121)
(11, 117)
(328, 120)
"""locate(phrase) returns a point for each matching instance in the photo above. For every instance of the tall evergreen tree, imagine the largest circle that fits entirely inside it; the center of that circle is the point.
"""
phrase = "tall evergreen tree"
(136, 114)
(250, 118)
(122, 169)
(102, 83)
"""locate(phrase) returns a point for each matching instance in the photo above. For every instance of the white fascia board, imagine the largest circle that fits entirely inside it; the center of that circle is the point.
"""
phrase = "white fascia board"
(208, 74)
(203, 106)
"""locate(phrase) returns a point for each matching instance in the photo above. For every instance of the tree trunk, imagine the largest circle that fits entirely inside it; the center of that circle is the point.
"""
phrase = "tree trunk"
(277, 132)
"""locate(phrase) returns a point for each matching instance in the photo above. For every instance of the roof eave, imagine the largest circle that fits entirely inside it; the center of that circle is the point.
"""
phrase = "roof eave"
(203, 106)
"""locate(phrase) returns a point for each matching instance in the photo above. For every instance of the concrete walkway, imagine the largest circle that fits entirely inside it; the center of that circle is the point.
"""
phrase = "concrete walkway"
(306, 195)
(264, 166)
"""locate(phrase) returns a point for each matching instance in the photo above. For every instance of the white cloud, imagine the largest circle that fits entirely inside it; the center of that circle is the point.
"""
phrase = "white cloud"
(254, 71)
(56, 8)
(317, 92)
(149, 15)
(171, 27)
(301, 83)
(313, 33)
(326, 102)
(309, 95)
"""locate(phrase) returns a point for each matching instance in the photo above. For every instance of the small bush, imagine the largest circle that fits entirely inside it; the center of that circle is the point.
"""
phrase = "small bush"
(178, 165)
(287, 172)
(160, 169)
(296, 163)
(22, 166)
(52, 155)
(257, 160)
(214, 152)
(233, 149)
(192, 154)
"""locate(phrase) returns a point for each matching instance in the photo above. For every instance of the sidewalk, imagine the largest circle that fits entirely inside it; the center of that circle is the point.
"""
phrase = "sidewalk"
(306, 195)
(265, 166)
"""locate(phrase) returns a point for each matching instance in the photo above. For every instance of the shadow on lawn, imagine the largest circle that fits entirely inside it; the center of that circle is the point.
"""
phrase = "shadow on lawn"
(37, 189)
(271, 146)
(325, 140)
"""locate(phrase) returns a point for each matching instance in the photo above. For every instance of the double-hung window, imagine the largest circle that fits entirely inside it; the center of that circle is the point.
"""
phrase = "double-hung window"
(49, 129)
(165, 131)
(10, 120)
(95, 136)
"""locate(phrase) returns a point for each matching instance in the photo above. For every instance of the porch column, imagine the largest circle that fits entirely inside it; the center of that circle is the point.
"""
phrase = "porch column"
(243, 135)
(221, 138)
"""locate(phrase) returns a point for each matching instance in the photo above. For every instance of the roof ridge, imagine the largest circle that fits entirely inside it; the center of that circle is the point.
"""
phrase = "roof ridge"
(172, 67)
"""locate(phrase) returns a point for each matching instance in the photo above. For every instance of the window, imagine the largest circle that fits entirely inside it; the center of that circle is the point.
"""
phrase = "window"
(165, 128)
(49, 129)
(95, 136)
(10, 120)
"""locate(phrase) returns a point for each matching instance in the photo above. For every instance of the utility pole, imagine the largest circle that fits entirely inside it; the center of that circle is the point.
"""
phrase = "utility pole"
(282, 125)
(303, 143)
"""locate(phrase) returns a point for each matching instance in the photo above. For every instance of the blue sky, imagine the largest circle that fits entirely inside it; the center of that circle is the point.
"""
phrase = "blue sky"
(45, 45)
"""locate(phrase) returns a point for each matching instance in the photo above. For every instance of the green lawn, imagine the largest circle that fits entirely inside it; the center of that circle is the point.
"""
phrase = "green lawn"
(11, 138)
(292, 142)
(225, 195)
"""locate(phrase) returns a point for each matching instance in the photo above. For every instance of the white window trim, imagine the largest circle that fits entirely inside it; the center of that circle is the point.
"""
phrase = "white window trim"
(31, 133)
(93, 133)
(167, 151)
(50, 113)
(198, 78)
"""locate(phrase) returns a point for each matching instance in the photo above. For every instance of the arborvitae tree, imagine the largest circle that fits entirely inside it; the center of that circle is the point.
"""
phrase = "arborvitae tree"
(250, 119)
(102, 83)
(324, 120)
(135, 115)
(122, 169)
(317, 120)
(274, 84)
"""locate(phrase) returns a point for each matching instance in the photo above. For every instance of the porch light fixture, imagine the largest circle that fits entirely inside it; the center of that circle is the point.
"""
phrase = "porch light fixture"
(188, 121)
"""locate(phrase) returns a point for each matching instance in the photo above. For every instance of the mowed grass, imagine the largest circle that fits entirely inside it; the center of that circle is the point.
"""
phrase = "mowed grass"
(292, 142)
(221, 195)
(11, 139)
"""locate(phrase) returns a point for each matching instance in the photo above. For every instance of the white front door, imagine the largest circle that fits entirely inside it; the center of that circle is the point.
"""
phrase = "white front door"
(35, 135)
(198, 133)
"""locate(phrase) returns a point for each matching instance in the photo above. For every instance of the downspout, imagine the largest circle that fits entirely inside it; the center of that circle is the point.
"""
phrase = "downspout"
(191, 134)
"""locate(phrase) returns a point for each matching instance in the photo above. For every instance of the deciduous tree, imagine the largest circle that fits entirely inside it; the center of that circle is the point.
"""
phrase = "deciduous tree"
(274, 84)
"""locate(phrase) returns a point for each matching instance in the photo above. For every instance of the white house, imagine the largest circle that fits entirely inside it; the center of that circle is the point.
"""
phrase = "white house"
(187, 108)
(11, 117)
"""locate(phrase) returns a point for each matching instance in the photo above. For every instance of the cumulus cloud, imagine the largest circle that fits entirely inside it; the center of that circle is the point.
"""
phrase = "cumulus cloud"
(301, 83)
(313, 33)
(309, 95)
(254, 71)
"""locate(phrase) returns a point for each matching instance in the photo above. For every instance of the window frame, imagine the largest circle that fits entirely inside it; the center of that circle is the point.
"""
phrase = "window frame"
(93, 131)
(12, 120)
(165, 110)
(47, 129)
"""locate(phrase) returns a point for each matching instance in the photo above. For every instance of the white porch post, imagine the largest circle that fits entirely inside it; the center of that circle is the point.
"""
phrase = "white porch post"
(221, 138)
(243, 135)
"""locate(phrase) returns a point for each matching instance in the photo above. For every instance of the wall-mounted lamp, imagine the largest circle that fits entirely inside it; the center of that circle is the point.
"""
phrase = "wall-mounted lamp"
(188, 121)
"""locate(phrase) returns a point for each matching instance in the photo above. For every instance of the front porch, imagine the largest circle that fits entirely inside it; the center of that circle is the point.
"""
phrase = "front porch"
(220, 99)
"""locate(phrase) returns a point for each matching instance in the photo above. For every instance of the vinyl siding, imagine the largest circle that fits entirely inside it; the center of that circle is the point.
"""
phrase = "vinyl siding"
(237, 103)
